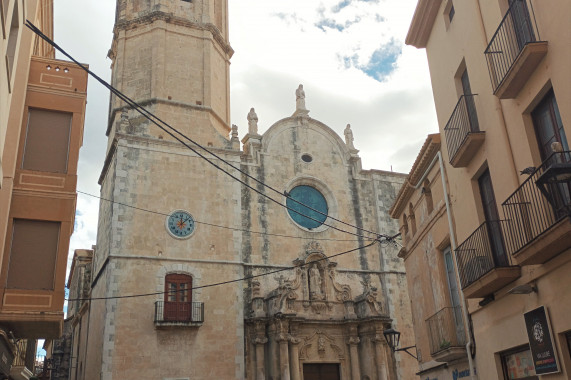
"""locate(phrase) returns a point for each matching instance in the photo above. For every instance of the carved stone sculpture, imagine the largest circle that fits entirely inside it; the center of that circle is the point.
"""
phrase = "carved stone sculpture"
(349, 137)
(252, 122)
(315, 283)
(300, 98)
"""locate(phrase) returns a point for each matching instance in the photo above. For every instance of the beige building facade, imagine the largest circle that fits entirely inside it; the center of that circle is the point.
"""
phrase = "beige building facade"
(42, 107)
(305, 309)
(502, 91)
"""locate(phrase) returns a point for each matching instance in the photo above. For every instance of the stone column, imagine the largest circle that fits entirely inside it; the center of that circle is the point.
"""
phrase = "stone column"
(354, 354)
(260, 362)
(380, 358)
(284, 356)
(294, 360)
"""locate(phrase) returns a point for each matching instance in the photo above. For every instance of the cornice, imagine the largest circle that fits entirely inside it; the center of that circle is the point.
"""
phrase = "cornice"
(422, 22)
(158, 15)
(427, 153)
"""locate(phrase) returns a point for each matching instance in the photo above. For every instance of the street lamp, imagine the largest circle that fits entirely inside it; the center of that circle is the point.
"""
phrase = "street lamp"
(393, 338)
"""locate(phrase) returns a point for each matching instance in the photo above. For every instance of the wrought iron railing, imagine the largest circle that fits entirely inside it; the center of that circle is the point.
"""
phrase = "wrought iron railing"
(486, 249)
(464, 120)
(446, 329)
(536, 206)
(179, 312)
(517, 29)
(25, 354)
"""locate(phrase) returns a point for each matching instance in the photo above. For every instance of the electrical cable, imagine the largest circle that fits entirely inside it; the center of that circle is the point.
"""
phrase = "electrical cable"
(231, 281)
(156, 120)
(212, 224)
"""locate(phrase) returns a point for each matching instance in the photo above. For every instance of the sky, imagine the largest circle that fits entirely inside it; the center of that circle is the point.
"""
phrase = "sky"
(348, 54)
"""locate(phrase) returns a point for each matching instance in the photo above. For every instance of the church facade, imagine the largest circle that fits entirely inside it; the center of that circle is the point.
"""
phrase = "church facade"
(177, 230)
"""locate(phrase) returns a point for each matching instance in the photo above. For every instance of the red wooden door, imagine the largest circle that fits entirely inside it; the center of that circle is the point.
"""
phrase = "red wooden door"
(178, 298)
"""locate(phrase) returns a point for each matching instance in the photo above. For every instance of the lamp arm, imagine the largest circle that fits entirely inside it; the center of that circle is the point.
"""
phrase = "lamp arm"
(405, 349)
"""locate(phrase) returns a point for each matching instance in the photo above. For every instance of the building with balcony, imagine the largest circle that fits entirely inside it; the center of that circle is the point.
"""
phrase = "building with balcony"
(500, 81)
(42, 108)
(439, 318)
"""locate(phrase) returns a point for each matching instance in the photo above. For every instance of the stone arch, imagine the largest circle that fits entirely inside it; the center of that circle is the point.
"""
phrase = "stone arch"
(427, 196)
(179, 269)
(412, 219)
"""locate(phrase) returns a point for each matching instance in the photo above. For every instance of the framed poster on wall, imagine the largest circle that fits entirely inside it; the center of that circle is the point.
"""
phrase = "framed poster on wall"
(541, 343)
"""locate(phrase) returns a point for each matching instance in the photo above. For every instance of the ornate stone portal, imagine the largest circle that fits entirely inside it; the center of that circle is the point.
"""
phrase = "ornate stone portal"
(311, 317)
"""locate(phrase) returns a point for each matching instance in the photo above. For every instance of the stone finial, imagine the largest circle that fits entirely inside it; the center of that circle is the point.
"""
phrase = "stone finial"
(300, 98)
(349, 137)
(252, 122)
(235, 141)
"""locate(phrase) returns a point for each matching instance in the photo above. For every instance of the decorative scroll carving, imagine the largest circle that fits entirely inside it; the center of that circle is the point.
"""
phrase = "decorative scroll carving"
(287, 291)
(354, 340)
(313, 247)
(260, 340)
(324, 346)
(342, 292)
(369, 297)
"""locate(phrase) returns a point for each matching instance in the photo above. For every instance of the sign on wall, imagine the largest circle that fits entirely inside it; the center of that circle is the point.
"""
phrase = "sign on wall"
(541, 341)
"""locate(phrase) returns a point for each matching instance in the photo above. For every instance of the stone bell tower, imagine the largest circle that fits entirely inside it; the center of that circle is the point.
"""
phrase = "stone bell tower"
(172, 57)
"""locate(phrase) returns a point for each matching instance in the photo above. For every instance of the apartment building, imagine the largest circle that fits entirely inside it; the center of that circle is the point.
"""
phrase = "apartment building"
(42, 108)
(502, 90)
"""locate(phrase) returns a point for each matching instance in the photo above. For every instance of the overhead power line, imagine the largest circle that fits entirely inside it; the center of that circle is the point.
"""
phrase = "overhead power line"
(162, 124)
(389, 238)
(212, 224)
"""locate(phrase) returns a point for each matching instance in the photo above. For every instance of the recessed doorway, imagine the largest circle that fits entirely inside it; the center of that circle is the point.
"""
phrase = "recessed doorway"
(321, 371)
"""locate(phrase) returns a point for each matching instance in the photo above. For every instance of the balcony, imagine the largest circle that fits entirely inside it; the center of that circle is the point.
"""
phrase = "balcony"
(24, 361)
(515, 50)
(446, 335)
(483, 261)
(462, 131)
(539, 212)
(178, 314)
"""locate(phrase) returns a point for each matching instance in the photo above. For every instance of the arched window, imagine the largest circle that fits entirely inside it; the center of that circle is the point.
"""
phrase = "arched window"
(427, 196)
(178, 297)
(412, 219)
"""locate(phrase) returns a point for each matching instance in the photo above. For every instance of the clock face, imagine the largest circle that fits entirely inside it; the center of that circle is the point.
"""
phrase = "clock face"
(180, 224)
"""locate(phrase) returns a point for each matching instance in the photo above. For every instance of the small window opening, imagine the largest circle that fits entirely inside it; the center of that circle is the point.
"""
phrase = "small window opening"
(427, 196)
(451, 13)
(306, 158)
(412, 219)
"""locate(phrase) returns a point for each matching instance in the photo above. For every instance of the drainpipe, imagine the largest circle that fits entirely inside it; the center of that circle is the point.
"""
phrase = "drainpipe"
(500, 108)
(453, 243)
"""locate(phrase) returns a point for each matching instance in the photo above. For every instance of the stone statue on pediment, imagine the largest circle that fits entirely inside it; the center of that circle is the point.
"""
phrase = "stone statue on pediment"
(252, 122)
(300, 98)
(349, 137)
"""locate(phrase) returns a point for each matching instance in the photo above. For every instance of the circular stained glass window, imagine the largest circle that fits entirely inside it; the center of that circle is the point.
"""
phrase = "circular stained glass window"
(303, 214)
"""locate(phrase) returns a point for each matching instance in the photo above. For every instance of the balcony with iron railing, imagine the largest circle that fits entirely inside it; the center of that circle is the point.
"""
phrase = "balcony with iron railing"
(185, 314)
(540, 212)
(462, 131)
(446, 334)
(484, 264)
(515, 50)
